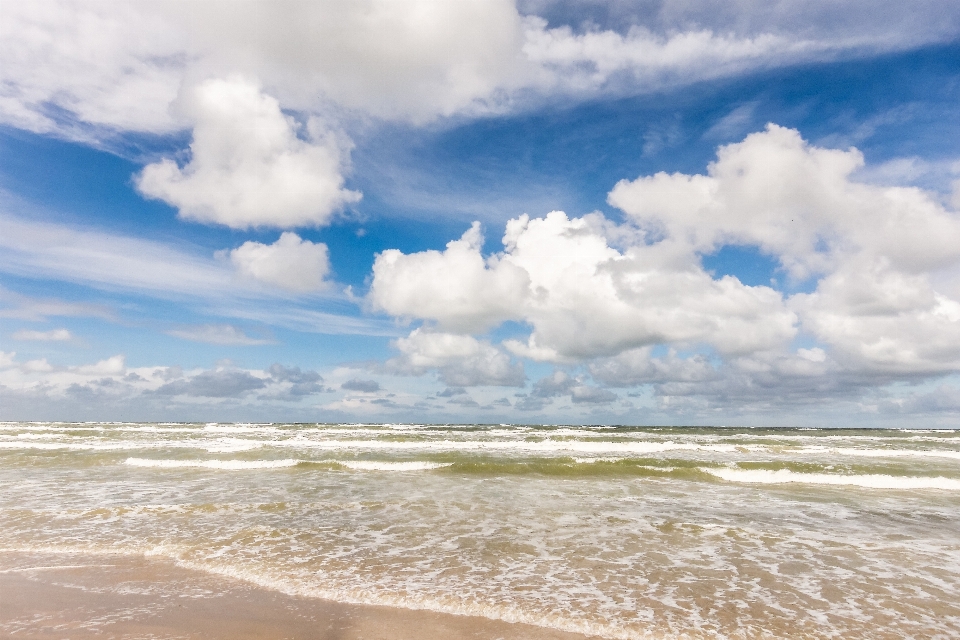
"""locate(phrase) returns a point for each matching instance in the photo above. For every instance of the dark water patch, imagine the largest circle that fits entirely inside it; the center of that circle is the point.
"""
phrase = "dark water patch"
(898, 469)
(570, 468)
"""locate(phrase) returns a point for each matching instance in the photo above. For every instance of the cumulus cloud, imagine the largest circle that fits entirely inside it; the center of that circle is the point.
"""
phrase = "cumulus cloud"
(464, 401)
(290, 263)
(560, 383)
(796, 202)
(583, 297)
(771, 386)
(945, 399)
(762, 383)
(638, 366)
(248, 167)
(298, 383)
(460, 360)
(412, 59)
(588, 394)
(114, 365)
(223, 334)
(878, 318)
(883, 263)
(874, 248)
(55, 335)
(364, 386)
(556, 384)
(213, 384)
(457, 287)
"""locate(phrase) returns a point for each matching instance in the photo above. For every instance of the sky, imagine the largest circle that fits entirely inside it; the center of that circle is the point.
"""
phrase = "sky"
(661, 212)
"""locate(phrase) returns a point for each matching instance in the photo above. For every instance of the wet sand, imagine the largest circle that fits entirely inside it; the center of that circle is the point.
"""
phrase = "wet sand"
(57, 596)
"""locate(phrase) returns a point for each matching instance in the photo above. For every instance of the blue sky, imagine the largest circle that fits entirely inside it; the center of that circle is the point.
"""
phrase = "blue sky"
(630, 213)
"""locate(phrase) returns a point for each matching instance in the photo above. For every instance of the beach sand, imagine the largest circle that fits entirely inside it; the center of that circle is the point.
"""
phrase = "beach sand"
(56, 596)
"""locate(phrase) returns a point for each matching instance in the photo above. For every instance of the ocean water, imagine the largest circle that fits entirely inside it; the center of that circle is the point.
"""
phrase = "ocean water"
(620, 532)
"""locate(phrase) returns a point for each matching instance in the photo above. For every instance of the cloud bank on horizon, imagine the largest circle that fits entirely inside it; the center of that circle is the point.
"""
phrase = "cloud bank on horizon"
(223, 211)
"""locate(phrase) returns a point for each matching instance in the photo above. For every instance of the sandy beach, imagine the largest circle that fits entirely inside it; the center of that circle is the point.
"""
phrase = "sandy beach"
(96, 596)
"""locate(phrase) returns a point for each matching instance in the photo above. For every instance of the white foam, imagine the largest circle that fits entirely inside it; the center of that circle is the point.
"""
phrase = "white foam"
(240, 428)
(212, 464)
(78, 446)
(55, 567)
(370, 465)
(872, 481)
(524, 446)
(896, 453)
(232, 445)
(224, 445)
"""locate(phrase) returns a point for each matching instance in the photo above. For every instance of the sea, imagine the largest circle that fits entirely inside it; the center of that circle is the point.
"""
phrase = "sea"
(621, 532)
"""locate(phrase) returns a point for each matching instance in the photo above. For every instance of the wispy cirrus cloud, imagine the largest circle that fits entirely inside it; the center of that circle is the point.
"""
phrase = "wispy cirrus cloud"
(222, 334)
(108, 261)
(54, 335)
(22, 307)
(121, 264)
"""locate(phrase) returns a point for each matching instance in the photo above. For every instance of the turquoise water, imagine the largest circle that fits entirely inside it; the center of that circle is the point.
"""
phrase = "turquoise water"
(624, 532)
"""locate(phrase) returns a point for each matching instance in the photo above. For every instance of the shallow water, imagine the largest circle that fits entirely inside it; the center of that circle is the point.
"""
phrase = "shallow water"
(624, 532)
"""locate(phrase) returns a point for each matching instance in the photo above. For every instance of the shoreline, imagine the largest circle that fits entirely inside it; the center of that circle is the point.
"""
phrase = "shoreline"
(56, 595)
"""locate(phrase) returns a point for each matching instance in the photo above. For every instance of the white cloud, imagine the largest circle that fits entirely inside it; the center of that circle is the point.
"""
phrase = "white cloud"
(591, 300)
(223, 334)
(114, 365)
(796, 202)
(409, 59)
(877, 318)
(877, 309)
(584, 298)
(679, 42)
(594, 60)
(100, 64)
(462, 361)
(456, 287)
(289, 263)
(46, 336)
(874, 246)
(119, 65)
(248, 168)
